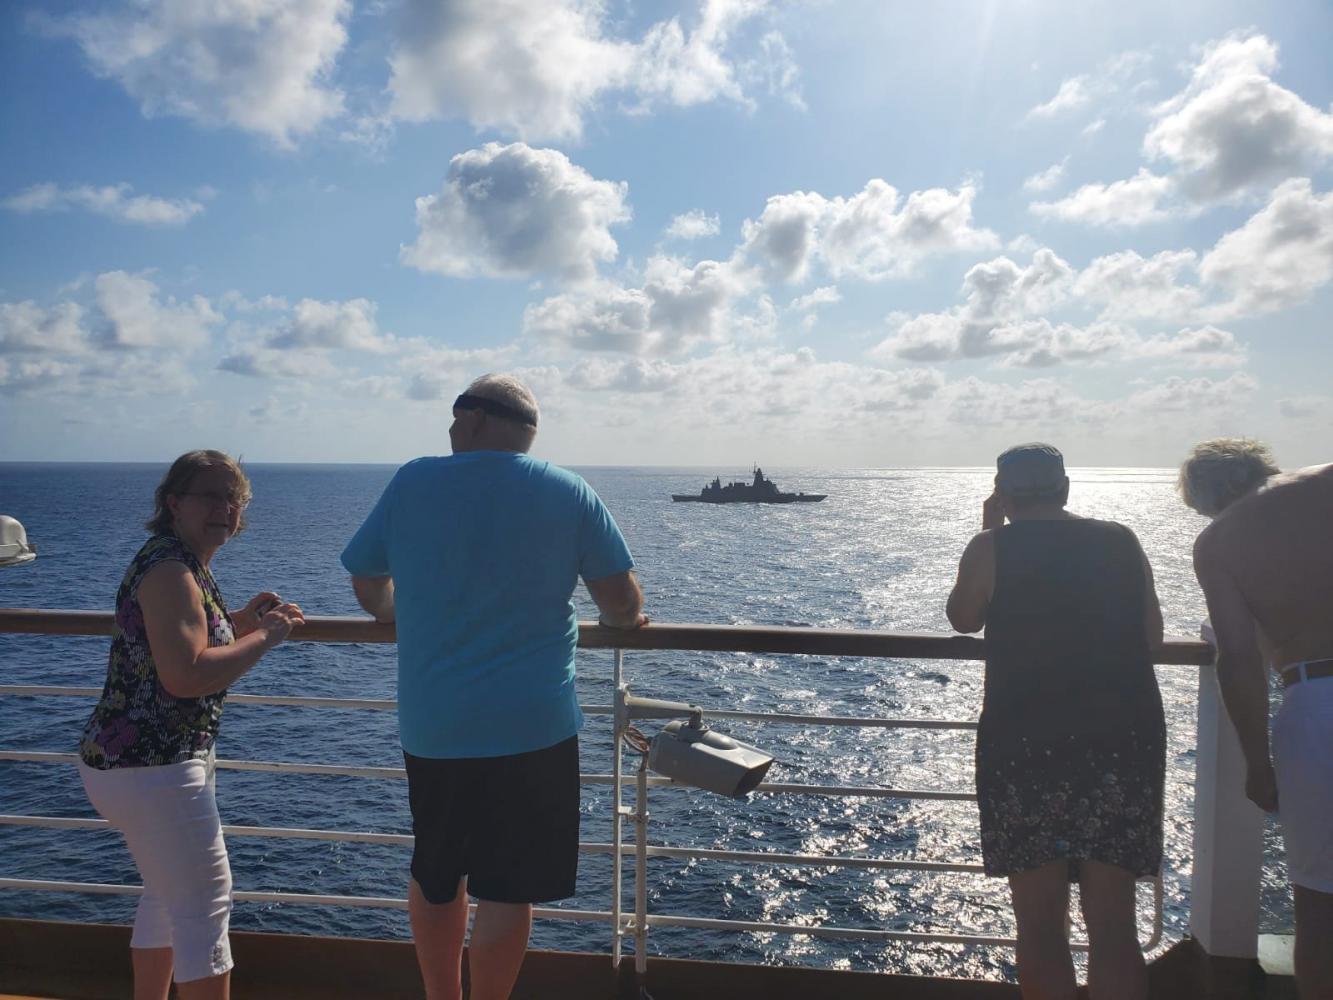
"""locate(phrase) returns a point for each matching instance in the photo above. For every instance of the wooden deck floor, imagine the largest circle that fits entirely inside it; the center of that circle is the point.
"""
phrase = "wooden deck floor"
(46, 959)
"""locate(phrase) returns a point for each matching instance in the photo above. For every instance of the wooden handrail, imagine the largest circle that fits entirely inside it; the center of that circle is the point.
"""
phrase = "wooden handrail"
(712, 638)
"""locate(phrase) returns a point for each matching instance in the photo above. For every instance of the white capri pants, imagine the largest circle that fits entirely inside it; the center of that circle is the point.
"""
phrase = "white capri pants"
(169, 816)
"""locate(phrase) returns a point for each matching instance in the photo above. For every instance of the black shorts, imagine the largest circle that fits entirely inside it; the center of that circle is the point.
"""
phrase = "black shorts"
(510, 824)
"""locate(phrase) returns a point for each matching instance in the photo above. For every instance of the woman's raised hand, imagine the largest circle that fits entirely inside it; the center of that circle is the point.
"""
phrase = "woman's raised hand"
(277, 621)
(254, 610)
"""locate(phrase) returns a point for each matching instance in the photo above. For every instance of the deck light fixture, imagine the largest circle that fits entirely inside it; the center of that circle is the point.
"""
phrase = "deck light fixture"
(14, 547)
(690, 753)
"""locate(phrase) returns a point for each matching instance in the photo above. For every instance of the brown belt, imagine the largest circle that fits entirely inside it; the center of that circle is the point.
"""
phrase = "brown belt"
(1314, 670)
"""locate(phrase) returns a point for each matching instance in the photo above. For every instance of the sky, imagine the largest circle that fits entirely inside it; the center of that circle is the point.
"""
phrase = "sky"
(837, 234)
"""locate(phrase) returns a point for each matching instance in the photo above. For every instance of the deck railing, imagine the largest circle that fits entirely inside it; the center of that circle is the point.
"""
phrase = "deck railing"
(1224, 897)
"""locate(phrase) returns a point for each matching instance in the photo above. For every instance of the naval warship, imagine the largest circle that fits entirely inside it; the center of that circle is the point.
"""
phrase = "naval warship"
(762, 490)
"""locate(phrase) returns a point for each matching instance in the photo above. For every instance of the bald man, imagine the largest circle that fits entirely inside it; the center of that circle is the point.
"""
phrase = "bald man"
(476, 556)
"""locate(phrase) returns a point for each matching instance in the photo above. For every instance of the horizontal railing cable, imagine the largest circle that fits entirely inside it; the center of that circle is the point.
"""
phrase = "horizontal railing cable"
(585, 847)
(559, 913)
(355, 771)
(244, 896)
(848, 721)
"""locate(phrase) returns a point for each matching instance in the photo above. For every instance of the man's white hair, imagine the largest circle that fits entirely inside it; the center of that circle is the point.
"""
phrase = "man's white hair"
(1222, 470)
(507, 390)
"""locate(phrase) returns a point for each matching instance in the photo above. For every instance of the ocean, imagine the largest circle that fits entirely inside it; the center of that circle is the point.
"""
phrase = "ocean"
(879, 553)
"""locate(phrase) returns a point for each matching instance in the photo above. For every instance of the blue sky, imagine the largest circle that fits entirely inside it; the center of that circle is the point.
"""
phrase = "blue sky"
(841, 234)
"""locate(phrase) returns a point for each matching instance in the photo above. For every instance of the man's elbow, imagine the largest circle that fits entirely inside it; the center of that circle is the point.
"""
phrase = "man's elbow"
(375, 595)
(961, 620)
(620, 603)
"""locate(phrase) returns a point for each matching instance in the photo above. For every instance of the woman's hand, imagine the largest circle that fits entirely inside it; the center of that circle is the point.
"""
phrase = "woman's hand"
(277, 622)
(247, 619)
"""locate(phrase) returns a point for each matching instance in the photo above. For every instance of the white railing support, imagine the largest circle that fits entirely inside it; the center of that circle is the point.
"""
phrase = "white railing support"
(618, 724)
(641, 869)
(1228, 833)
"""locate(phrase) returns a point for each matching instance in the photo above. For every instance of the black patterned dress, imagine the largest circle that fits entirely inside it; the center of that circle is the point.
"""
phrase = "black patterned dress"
(137, 722)
(1071, 750)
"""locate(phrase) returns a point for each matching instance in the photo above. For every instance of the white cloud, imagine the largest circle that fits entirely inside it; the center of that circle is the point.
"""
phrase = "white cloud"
(755, 387)
(1232, 127)
(259, 362)
(515, 211)
(346, 325)
(874, 235)
(114, 201)
(636, 375)
(1027, 343)
(827, 295)
(1036, 406)
(1279, 257)
(1306, 407)
(999, 287)
(32, 376)
(1073, 93)
(529, 67)
(26, 327)
(1129, 286)
(1189, 396)
(694, 224)
(677, 306)
(1129, 202)
(258, 65)
(536, 68)
(1000, 296)
(1044, 180)
(869, 236)
(786, 233)
(1227, 133)
(1077, 92)
(778, 69)
(134, 316)
(1003, 316)
(265, 303)
(1205, 347)
(433, 372)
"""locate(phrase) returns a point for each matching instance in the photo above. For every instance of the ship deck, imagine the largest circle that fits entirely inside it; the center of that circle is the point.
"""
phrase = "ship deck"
(91, 962)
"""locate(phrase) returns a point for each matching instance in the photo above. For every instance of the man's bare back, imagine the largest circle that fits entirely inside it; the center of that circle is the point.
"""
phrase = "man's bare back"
(1277, 546)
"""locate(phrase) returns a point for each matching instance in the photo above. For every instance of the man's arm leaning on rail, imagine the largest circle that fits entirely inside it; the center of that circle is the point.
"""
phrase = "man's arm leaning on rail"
(375, 595)
(971, 595)
(1240, 669)
(619, 600)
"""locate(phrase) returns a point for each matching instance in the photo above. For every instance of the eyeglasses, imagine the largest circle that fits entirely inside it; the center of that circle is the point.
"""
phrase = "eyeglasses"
(220, 499)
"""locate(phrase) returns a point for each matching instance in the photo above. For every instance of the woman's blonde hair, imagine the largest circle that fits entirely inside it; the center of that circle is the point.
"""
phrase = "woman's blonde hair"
(1222, 470)
(177, 481)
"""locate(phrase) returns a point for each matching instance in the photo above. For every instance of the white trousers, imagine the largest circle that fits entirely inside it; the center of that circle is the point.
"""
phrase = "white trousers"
(169, 816)
(1303, 761)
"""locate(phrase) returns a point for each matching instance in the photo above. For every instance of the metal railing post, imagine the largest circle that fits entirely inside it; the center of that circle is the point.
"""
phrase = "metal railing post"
(641, 870)
(1228, 834)
(618, 724)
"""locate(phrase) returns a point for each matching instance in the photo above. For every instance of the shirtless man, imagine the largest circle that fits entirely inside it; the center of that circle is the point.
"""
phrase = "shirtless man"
(1266, 568)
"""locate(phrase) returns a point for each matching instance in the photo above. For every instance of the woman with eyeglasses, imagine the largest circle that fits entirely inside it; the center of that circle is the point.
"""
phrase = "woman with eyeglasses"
(147, 751)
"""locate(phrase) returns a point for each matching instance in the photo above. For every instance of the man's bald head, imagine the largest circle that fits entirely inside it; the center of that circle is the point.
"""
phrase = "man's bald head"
(495, 413)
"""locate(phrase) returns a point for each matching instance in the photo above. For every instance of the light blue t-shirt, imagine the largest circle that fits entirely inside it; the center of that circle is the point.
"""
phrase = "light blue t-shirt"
(485, 549)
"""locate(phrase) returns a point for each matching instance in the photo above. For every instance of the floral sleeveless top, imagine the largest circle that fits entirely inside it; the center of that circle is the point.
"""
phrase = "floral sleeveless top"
(137, 723)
